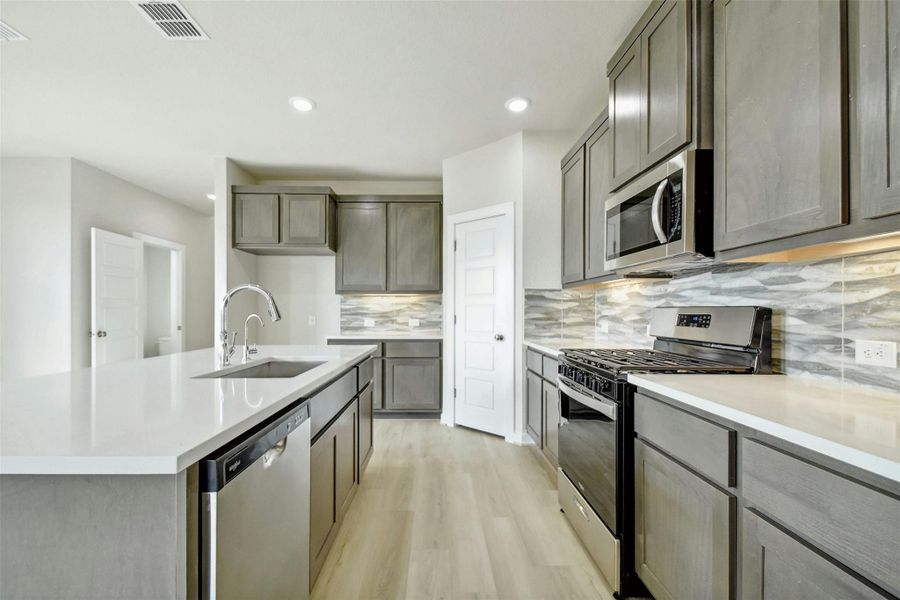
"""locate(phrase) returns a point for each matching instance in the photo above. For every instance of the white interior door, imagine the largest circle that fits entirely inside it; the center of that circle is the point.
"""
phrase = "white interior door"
(483, 334)
(116, 279)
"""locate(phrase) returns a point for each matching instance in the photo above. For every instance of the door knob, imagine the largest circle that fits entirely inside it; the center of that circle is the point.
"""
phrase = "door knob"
(101, 334)
(499, 337)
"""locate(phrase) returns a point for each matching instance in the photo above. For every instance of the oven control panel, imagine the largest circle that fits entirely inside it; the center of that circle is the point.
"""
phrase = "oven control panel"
(693, 320)
(589, 381)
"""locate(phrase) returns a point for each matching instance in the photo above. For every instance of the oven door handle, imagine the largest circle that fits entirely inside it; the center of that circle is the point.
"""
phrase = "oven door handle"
(604, 407)
(655, 216)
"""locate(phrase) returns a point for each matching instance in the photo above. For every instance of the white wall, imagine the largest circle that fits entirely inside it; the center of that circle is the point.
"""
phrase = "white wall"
(35, 250)
(487, 176)
(158, 286)
(542, 190)
(102, 200)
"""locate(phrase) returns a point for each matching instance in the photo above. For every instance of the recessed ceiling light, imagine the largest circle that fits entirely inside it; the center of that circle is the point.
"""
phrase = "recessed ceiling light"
(211, 196)
(517, 104)
(302, 104)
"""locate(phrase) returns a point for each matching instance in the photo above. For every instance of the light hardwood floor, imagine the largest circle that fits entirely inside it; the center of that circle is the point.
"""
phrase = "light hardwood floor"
(451, 513)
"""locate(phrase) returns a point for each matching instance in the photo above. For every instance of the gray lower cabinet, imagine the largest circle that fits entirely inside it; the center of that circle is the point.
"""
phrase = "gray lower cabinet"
(551, 422)
(774, 564)
(414, 247)
(284, 219)
(534, 409)
(412, 384)
(361, 261)
(878, 106)
(366, 434)
(333, 476)
(378, 384)
(684, 529)
(256, 219)
(573, 218)
(780, 151)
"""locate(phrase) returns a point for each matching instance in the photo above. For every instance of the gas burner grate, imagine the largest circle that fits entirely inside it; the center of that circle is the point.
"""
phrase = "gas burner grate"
(649, 361)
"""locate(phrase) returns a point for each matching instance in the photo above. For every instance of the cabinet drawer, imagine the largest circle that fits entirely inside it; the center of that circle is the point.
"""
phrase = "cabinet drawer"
(706, 447)
(775, 565)
(854, 523)
(366, 370)
(412, 349)
(599, 542)
(549, 369)
(533, 361)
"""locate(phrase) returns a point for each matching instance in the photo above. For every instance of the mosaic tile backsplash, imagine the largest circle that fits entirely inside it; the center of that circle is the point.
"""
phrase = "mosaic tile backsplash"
(391, 314)
(820, 309)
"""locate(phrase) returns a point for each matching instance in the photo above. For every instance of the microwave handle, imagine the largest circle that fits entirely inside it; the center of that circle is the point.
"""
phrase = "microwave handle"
(655, 210)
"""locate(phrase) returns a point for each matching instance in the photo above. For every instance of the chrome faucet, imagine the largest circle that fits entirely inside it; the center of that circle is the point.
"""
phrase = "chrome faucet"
(226, 347)
(248, 348)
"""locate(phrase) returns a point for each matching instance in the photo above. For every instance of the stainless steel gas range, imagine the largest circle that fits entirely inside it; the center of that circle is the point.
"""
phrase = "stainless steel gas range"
(596, 435)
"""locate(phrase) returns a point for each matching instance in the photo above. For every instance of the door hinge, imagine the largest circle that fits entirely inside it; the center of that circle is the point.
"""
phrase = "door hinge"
(454, 319)
(454, 392)
(454, 245)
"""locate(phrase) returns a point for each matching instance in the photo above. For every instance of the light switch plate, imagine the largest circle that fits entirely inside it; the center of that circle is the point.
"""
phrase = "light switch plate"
(876, 353)
(368, 322)
(413, 322)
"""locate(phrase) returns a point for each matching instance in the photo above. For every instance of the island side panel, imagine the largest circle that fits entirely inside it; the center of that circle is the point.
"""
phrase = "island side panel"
(93, 536)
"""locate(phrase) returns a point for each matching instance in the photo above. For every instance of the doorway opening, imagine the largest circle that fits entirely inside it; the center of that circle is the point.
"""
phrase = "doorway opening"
(162, 300)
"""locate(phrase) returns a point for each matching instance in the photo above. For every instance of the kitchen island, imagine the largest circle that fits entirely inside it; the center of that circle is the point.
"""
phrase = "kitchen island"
(98, 467)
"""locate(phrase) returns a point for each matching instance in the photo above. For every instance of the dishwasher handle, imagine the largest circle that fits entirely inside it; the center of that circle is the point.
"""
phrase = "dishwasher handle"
(266, 442)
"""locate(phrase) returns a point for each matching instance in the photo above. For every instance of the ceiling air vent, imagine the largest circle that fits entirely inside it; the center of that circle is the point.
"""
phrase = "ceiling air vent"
(8, 34)
(171, 20)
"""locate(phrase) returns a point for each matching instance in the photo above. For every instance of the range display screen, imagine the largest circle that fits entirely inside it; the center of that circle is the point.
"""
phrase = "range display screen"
(689, 320)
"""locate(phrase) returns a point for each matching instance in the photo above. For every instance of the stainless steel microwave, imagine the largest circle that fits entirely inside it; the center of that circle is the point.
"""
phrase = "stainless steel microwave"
(662, 221)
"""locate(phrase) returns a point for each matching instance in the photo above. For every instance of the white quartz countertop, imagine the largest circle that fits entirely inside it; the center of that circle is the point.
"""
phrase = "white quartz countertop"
(389, 337)
(147, 416)
(852, 424)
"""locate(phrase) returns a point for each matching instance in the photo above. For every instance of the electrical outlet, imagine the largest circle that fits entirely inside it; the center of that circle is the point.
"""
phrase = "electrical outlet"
(413, 322)
(876, 354)
(312, 320)
(368, 322)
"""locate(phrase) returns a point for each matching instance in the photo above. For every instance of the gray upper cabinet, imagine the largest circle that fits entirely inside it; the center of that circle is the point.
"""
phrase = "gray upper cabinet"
(658, 80)
(255, 219)
(389, 246)
(665, 83)
(414, 247)
(284, 219)
(684, 530)
(361, 263)
(878, 107)
(625, 116)
(573, 219)
(597, 188)
(780, 152)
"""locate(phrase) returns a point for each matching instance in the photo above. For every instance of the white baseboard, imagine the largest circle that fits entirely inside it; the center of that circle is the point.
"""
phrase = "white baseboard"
(519, 438)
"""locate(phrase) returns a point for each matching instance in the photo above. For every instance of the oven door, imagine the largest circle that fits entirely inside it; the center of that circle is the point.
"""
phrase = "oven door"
(588, 448)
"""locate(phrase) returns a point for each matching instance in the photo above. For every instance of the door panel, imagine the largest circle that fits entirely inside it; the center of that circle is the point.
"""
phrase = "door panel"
(303, 219)
(365, 428)
(414, 247)
(573, 219)
(255, 219)
(665, 91)
(597, 188)
(484, 333)
(117, 330)
(780, 125)
(551, 422)
(361, 262)
(683, 528)
(345, 457)
(323, 516)
(534, 409)
(625, 117)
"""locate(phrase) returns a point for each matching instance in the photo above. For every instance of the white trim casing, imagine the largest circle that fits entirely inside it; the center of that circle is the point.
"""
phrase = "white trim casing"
(181, 252)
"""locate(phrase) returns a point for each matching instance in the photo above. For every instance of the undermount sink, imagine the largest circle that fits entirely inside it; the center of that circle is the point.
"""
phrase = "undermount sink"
(272, 368)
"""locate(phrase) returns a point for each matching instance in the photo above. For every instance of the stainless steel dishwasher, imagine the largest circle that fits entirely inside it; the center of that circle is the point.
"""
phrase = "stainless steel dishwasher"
(254, 513)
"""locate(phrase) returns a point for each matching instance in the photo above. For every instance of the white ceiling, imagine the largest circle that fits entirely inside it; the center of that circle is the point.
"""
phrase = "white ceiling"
(399, 86)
